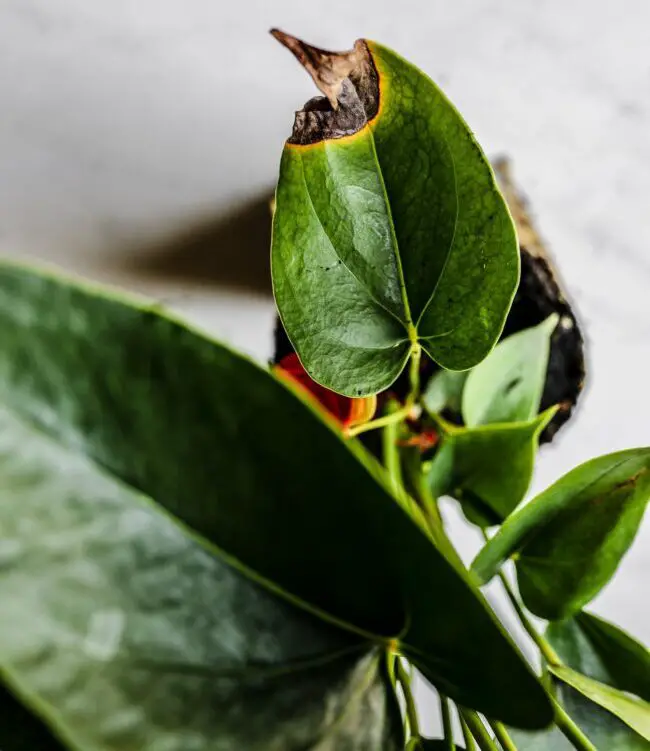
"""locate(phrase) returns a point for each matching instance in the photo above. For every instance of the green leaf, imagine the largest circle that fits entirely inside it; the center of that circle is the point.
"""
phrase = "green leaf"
(239, 458)
(633, 711)
(489, 468)
(507, 386)
(126, 633)
(603, 651)
(591, 650)
(444, 391)
(571, 538)
(389, 227)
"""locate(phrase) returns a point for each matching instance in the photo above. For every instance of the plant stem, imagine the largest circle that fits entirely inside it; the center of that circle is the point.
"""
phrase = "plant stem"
(381, 422)
(479, 731)
(411, 710)
(445, 713)
(391, 454)
(414, 374)
(470, 745)
(570, 730)
(549, 654)
(502, 736)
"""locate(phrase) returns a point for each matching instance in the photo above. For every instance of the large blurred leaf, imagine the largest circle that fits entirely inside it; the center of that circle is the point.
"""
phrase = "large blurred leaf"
(243, 461)
(125, 633)
(570, 539)
(604, 652)
(633, 711)
(489, 468)
(389, 227)
(591, 656)
(507, 386)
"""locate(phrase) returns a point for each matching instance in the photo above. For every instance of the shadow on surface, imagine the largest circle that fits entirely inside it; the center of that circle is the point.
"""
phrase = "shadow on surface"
(231, 251)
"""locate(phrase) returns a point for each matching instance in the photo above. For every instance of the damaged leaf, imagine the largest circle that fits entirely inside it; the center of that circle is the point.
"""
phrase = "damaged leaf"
(389, 230)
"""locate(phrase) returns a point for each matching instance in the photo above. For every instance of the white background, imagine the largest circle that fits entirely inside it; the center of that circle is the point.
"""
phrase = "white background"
(139, 140)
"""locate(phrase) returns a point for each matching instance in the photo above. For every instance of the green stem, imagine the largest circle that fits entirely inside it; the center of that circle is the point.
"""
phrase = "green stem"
(411, 710)
(470, 744)
(445, 713)
(549, 654)
(414, 374)
(502, 736)
(392, 462)
(570, 730)
(478, 729)
(381, 422)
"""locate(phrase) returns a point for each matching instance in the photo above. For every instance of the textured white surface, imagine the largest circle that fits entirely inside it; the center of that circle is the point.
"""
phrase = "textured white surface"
(125, 125)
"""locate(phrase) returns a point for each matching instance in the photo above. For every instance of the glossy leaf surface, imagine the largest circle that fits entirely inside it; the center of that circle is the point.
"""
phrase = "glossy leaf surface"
(571, 538)
(389, 227)
(239, 458)
(489, 468)
(591, 657)
(508, 385)
(126, 633)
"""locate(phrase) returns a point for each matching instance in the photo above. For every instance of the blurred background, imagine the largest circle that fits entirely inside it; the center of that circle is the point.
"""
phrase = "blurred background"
(139, 145)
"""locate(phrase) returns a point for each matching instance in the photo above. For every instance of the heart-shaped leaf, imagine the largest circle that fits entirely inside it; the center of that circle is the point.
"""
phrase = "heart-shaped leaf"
(571, 538)
(489, 468)
(255, 469)
(633, 711)
(389, 228)
(603, 651)
(125, 632)
(591, 646)
(507, 386)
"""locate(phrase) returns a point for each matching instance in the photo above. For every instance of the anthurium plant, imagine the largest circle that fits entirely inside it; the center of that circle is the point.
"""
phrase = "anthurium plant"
(199, 553)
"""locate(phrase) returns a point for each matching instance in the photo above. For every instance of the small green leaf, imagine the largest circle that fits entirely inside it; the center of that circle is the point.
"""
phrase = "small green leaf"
(444, 391)
(238, 457)
(507, 386)
(595, 657)
(389, 226)
(571, 538)
(489, 468)
(633, 711)
(602, 651)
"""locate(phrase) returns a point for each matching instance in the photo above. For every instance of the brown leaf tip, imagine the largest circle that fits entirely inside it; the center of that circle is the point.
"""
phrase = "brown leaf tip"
(349, 82)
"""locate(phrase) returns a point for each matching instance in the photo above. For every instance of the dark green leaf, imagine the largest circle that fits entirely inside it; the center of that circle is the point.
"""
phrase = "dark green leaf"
(633, 711)
(254, 469)
(507, 386)
(584, 653)
(389, 227)
(488, 469)
(604, 652)
(444, 391)
(126, 633)
(570, 539)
